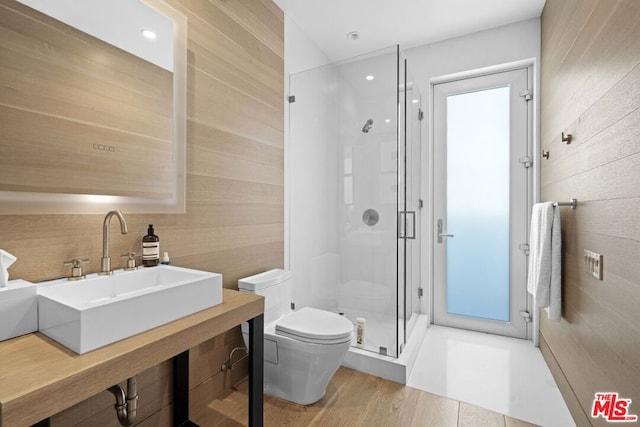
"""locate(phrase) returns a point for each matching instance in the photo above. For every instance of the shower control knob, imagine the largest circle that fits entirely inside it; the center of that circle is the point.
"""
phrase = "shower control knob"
(370, 217)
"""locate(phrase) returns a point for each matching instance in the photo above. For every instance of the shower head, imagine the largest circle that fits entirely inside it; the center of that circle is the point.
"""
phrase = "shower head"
(367, 126)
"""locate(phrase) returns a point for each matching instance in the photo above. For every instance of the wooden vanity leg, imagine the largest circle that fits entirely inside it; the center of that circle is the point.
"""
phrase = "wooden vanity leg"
(181, 391)
(256, 371)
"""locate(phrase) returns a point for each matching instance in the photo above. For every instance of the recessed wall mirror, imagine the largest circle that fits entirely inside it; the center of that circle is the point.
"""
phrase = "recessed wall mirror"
(92, 106)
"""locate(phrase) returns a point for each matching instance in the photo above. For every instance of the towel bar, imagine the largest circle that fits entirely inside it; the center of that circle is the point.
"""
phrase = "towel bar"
(573, 203)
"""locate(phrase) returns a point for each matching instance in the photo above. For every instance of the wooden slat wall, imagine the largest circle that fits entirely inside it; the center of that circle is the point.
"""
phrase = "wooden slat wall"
(234, 222)
(591, 88)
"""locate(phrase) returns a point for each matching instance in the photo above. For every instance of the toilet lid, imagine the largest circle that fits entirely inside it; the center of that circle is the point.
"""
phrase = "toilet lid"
(315, 326)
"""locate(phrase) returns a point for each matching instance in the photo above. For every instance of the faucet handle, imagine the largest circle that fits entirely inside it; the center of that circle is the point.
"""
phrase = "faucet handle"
(77, 262)
(76, 268)
(131, 260)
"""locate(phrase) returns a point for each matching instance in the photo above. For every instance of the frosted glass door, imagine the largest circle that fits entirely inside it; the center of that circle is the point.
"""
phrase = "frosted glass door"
(478, 204)
(480, 142)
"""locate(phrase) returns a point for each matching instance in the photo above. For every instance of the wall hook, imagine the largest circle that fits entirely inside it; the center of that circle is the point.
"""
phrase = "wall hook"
(567, 138)
(545, 154)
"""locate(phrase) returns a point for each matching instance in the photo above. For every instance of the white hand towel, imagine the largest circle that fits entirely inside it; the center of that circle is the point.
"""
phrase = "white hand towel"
(545, 250)
(554, 310)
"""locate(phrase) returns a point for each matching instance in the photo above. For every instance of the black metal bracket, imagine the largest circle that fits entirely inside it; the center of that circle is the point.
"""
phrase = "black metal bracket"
(181, 391)
(256, 371)
(256, 379)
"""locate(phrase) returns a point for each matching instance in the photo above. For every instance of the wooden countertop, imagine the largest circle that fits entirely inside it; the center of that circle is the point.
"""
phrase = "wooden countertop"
(39, 377)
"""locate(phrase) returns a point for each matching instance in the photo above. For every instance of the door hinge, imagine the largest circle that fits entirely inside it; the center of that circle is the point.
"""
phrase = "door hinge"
(526, 161)
(420, 292)
(526, 316)
(524, 247)
(293, 306)
(292, 99)
(420, 114)
(527, 95)
(420, 203)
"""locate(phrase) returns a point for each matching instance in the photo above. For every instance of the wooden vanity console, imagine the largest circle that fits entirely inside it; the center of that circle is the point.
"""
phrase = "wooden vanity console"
(39, 377)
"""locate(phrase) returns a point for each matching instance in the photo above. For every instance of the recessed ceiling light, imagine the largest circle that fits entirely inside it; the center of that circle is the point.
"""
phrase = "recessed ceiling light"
(387, 120)
(353, 35)
(148, 33)
(415, 101)
(369, 77)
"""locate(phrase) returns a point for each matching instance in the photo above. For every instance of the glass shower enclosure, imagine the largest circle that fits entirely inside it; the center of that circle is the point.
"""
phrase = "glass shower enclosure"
(354, 199)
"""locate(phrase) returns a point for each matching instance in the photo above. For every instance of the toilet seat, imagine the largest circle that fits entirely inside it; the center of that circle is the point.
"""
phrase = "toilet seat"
(315, 326)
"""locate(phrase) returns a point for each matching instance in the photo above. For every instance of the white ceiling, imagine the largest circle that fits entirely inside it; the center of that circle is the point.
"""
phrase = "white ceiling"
(117, 22)
(409, 23)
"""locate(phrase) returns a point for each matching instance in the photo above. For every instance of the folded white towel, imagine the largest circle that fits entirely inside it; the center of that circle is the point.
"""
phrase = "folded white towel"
(544, 281)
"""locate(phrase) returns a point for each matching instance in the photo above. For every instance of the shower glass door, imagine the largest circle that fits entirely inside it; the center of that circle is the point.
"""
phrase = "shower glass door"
(409, 102)
(369, 191)
(481, 141)
(352, 167)
(406, 228)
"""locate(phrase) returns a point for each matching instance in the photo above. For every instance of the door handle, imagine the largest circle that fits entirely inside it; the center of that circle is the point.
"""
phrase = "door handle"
(441, 232)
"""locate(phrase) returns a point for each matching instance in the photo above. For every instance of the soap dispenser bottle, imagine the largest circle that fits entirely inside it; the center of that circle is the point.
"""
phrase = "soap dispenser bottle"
(150, 248)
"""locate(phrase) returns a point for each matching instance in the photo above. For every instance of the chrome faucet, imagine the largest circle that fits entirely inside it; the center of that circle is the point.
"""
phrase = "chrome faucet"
(106, 256)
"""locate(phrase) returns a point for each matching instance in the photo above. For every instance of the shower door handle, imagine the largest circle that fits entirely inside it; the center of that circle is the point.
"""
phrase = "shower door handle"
(441, 233)
(402, 225)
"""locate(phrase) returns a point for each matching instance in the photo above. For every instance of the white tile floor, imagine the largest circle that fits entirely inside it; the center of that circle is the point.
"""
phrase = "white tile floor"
(505, 375)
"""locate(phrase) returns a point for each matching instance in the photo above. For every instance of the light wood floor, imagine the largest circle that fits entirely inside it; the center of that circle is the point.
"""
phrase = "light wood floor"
(357, 399)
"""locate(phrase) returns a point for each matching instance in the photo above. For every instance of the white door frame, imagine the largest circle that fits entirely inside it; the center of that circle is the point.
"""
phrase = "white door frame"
(428, 219)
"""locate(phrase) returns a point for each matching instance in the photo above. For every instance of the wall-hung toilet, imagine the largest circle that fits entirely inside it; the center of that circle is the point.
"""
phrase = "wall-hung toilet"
(302, 349)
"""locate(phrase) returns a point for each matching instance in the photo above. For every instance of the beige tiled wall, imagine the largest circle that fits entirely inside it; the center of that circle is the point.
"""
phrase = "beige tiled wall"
(590, 80)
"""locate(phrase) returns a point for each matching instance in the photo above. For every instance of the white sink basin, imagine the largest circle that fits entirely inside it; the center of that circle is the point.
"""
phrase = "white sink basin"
(99, 310)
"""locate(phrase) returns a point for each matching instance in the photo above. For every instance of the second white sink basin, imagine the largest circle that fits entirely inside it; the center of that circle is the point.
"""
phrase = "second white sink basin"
(87, 314)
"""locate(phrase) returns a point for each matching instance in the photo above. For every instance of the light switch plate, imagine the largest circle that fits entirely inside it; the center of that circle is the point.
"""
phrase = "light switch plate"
(593, 264)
